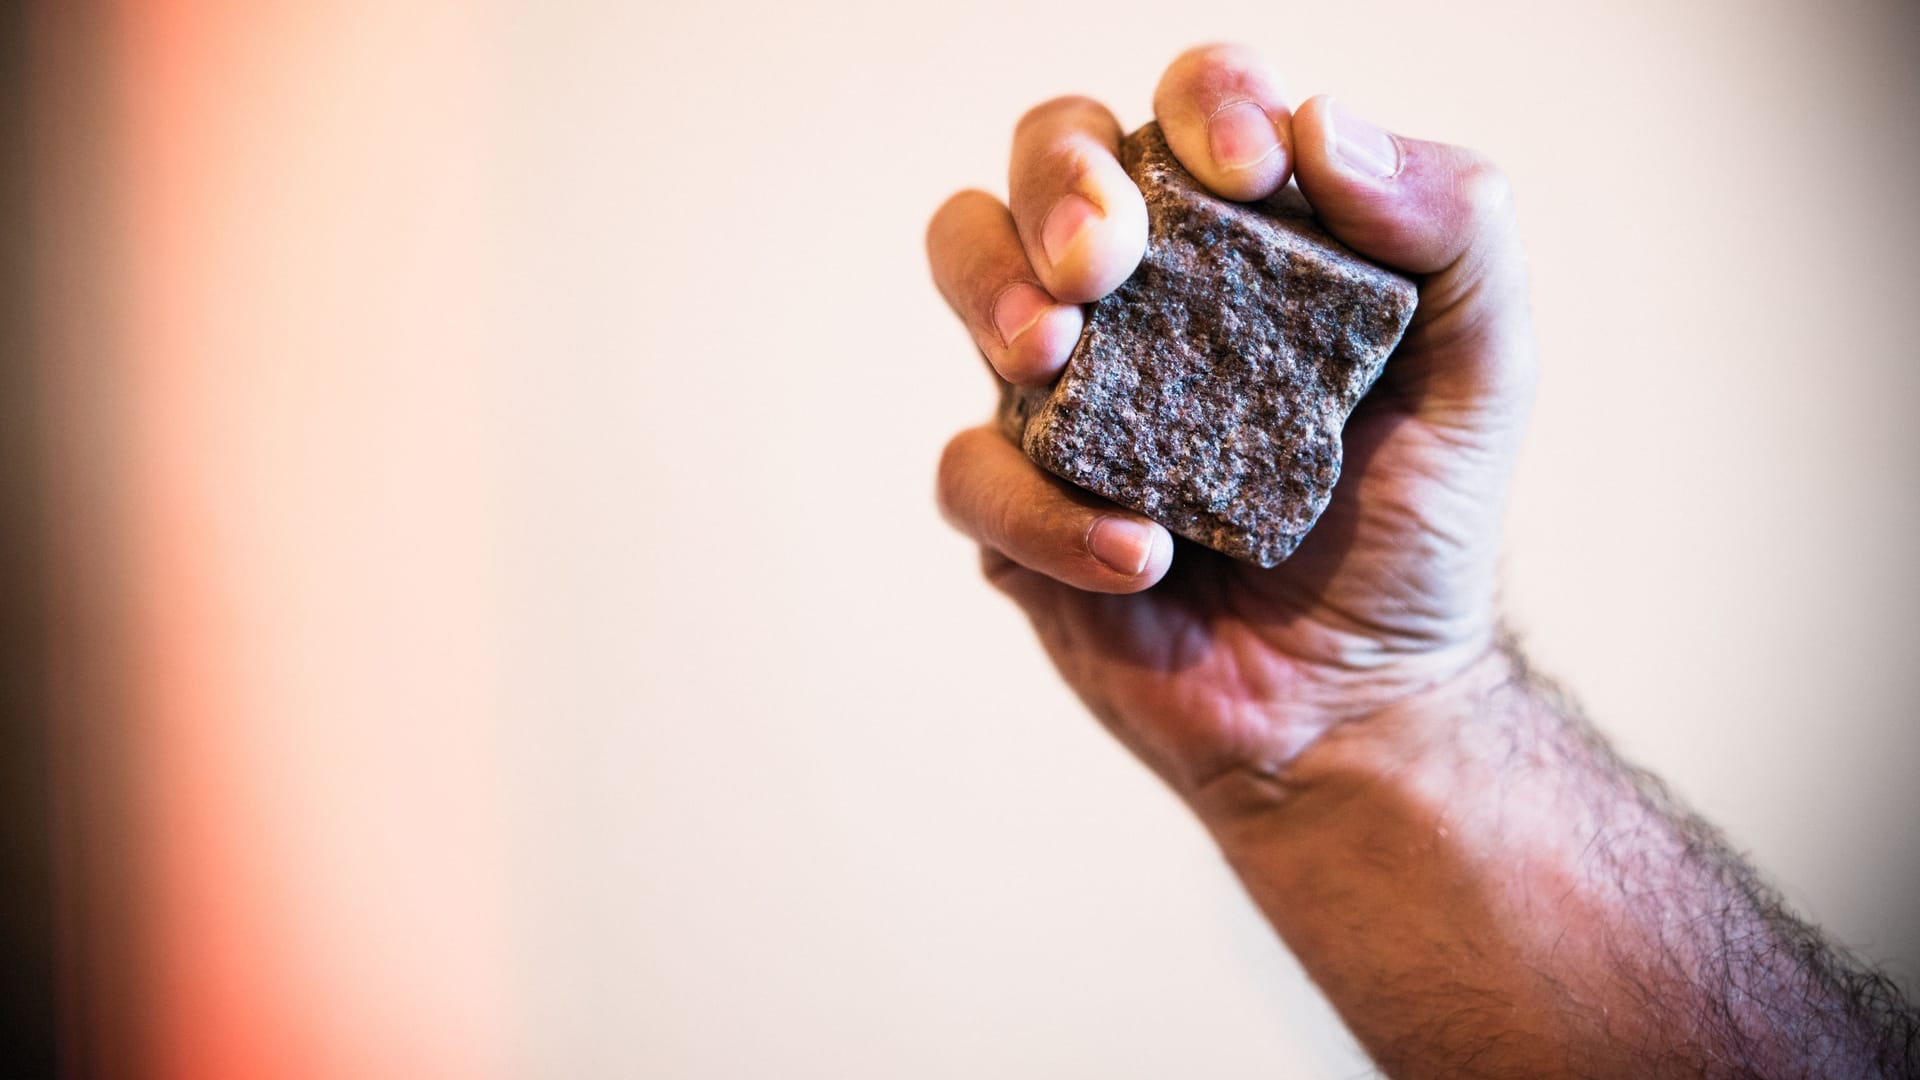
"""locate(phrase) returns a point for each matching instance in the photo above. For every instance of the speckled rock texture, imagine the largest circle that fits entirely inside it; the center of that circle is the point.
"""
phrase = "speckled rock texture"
(1208, 392)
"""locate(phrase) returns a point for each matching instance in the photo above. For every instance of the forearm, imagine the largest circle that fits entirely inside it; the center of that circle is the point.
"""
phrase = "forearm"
(1482, 888)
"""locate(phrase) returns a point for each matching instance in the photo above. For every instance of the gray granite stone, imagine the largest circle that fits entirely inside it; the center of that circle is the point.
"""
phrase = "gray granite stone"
(1209, 391)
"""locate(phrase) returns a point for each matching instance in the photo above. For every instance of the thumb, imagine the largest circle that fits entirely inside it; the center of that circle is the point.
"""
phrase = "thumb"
(1445, 215)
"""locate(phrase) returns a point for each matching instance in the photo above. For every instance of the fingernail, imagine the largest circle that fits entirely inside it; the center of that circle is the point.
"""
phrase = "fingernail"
(1064, 223)
(1241, 135)
(1124, 545)
(1020, 306)
(1358, 146)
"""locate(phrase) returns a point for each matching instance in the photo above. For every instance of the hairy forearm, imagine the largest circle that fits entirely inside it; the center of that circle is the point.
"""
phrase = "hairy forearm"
(1483, 888)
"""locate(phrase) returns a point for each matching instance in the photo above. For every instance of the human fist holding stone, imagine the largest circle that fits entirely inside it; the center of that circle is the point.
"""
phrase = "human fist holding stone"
(1456, 857)
(1225, 671)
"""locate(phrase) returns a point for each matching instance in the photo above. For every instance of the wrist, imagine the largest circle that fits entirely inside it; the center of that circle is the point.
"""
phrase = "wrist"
(1392, 734)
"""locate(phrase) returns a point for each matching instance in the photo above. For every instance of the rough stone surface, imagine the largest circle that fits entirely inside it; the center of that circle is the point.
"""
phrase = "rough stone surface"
(1209, 391)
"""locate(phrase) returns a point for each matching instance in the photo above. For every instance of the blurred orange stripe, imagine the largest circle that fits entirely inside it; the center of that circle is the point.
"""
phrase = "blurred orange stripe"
(310, 863)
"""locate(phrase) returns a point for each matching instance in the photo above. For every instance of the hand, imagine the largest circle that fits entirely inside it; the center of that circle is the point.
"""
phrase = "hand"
(1219, 674)
(1473, 877)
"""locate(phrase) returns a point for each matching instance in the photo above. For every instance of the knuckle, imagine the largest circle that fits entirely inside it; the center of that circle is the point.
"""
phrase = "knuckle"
(1485, 193)
(1206, 74)
(967, 497)
(1005, 526)
(1067, 163)
(1061, 528)
(951, 207)
(982, 282)
(941, 221)
(967, 262)
(1214, 57)
(950, 477)
(1051, 112)
(954, 211)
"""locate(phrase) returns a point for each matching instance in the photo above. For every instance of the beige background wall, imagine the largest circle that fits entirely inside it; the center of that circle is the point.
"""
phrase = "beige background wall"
(528, 462)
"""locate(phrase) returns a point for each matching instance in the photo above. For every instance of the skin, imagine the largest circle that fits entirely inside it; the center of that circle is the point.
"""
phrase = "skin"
(1479, 885)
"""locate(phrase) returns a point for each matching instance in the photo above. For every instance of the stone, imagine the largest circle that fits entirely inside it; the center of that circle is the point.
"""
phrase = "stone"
(1209, 391)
